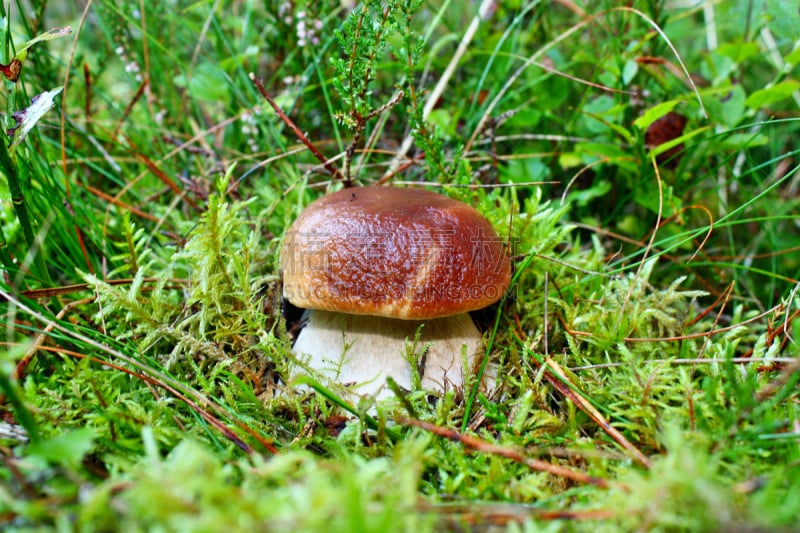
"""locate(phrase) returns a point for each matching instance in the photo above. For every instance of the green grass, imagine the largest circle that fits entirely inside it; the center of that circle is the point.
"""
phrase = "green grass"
(648, 350)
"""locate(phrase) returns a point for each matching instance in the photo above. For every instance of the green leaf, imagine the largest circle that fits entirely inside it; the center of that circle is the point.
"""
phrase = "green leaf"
(603, 114)
(599, 113)
(570, 160)
(68, 448)
(525, 171)
(738, 52)
(649, 198)
(596, 151)
(613, 153)
(773, 94)
(526, 118)
(782, 18)
(726, 106)
(733, 106)
(629, 71)
(208, 82)
(49, 35)
(598, 189)
(443, 120)
(655, 113)
(794, 56)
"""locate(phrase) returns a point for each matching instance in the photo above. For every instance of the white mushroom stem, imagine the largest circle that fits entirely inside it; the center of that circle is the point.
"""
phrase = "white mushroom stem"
(364, 350)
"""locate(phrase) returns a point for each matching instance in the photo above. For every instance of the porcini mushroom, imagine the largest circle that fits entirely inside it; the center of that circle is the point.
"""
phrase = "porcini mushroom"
(376, 266)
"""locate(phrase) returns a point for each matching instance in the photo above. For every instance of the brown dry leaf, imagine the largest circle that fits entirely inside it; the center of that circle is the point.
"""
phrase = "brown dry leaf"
(663, 130)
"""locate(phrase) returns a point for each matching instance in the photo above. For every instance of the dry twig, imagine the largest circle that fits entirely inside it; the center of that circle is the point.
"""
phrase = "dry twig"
(481, 445)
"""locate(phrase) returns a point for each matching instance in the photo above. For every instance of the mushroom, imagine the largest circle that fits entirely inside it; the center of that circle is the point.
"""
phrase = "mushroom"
(387, 277)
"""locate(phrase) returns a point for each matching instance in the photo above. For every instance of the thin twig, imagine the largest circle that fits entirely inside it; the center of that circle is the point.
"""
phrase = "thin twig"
(560, 380)
(330, 167)
(164, 178)
(715, 324)
(481, 445)
(771, 388)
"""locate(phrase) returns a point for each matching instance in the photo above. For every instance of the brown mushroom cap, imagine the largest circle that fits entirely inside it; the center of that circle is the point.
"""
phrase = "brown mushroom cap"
(398, 253)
